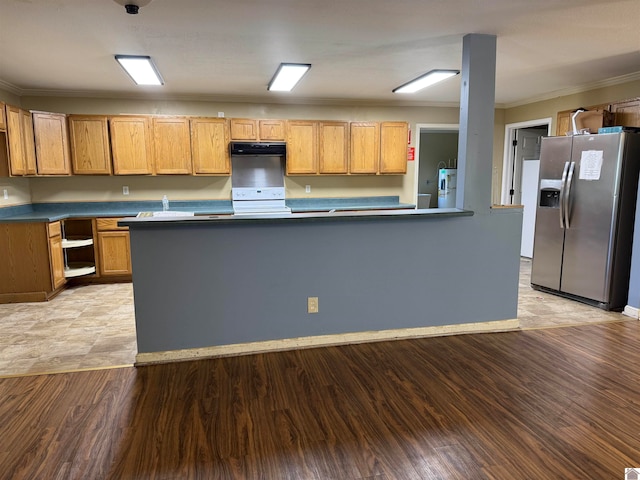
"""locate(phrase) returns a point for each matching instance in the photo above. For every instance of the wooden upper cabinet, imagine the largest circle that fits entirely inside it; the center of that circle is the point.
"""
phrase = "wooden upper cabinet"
(89, 138)
(302, 147)
(52, 143)
(272, 130)
(244, 129)
(17, 165)
(209, 146)
(22, 150)
(257, 130)
(626, 113)
(333, 147)
(3, 118)
(172, 146)
(393, 147)
(29, 143)
(131, 145)
(563, 123)
(364, 147)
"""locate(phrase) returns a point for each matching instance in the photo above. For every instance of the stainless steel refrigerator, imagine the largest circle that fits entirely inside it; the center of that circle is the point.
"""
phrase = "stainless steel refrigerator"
(584, 218)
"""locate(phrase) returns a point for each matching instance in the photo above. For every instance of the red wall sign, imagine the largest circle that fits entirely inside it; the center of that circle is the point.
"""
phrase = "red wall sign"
(411, 154)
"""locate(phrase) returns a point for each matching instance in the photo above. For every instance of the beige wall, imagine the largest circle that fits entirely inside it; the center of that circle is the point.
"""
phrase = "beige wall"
(551, 107)
(18, 190)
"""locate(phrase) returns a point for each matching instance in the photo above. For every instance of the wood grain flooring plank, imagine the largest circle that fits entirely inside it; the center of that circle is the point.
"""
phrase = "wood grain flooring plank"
(559, 403)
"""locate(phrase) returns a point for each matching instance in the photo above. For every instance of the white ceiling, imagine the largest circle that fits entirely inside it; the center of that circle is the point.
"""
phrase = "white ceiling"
(360, 49)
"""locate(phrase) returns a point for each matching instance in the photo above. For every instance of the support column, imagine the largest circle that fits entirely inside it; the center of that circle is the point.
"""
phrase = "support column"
(477, 104)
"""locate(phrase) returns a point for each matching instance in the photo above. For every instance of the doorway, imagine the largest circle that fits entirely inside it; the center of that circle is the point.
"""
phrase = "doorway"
(520, 171)
(436, 148)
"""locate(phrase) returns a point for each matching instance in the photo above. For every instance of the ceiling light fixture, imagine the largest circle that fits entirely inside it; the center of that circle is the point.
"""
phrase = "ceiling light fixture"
(287, 76)
(141, 69)
(426, 80)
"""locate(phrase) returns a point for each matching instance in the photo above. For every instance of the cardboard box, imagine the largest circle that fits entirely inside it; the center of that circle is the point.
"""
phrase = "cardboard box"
(593, 120)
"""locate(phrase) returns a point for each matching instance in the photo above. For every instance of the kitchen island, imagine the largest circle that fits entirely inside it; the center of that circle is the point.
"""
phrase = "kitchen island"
(221, 285)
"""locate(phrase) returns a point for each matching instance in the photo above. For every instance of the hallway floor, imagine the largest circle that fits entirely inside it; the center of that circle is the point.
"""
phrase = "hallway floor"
(93, 326)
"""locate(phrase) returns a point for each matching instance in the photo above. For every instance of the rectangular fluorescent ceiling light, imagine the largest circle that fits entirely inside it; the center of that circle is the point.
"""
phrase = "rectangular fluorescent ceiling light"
(287, 76)
(141, 69)
(426, 80)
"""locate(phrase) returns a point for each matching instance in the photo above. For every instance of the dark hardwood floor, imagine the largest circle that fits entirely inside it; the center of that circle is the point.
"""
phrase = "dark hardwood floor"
(561, 403)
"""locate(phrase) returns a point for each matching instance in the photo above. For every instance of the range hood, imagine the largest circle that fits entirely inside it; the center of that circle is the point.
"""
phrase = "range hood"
(257, 183)
(272, 149)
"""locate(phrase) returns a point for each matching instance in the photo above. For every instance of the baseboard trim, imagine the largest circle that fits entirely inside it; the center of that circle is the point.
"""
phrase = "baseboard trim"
(630, 311)
(323, 341)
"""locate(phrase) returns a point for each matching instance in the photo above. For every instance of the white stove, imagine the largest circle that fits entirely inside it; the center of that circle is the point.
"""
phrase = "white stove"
(257, 201)
(257, 183)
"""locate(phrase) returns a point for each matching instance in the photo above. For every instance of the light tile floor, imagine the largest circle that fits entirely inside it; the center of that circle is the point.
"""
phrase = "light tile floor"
(83, 327)
(542, 310)
(93, 326)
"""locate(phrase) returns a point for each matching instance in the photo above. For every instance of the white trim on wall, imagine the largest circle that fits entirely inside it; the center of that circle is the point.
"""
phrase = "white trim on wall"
(507, 162)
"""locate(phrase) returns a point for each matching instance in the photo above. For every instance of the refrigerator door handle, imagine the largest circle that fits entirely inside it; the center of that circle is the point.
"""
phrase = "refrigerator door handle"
(563, 184)
(567, 195)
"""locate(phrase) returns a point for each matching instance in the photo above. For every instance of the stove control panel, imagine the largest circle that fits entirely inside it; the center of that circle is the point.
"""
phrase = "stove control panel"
(265, 193)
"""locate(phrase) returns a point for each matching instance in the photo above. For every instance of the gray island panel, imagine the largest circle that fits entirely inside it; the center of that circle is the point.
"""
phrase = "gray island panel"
(200, 284)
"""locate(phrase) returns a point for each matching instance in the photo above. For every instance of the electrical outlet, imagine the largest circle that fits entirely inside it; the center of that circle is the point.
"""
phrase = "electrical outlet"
(220, 114)
(125, 190)
(312, 305)
(307, 188)
(5, 194)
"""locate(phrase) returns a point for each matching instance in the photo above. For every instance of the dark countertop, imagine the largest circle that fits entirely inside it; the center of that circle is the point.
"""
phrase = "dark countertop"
(295, 217)
(51, 212)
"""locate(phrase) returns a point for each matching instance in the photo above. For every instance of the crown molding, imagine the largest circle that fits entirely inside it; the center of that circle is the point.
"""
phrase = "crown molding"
(11, 88)
(281, 100)
(609, 82)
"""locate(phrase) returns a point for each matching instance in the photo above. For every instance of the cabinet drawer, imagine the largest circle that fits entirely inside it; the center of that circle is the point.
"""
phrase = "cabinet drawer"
(109, 224)
(55, 230)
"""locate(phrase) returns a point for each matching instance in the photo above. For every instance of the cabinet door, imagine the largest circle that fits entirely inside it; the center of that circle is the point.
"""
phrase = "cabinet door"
(172, 149)
(334, 147)
(29, 143)
(3, 118)
(563, 123)
(16, 145)
(627, 113)
(52, 143)
(57, 261)
(365, 147)
(393, 147)
(272, 130)
(244, 129)
(90, 153)
(115, 253)
(302, 148)
(209, 146)
(25, 262)
(131, 145)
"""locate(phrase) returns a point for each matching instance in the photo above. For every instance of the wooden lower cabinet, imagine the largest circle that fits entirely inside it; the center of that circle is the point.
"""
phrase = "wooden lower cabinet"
(56, 255)
(31, 262)
(113, 247)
